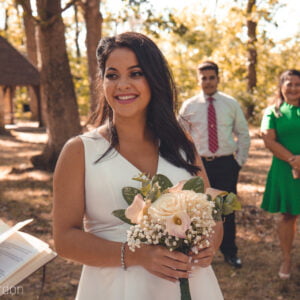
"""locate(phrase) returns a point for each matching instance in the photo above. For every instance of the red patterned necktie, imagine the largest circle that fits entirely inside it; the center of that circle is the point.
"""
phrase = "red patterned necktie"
(212, 126)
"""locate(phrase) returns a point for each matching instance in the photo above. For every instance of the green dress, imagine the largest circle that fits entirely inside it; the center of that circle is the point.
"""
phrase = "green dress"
(282, 192)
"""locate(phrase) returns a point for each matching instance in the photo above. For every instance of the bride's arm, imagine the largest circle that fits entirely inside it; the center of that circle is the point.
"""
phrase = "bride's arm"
(73, 243)
(68, 212)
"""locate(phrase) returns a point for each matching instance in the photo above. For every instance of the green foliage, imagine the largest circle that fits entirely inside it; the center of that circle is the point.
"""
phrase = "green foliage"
(187, 37)
(14, 31)
(153, 187)
(225, 205)
(195, 184)
(120, 213)
(154, 192)
(129, 193)
(163, 182)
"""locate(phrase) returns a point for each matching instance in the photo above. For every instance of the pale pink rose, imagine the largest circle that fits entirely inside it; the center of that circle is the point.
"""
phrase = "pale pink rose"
(178, 224)
(177, 187)
(134, 212)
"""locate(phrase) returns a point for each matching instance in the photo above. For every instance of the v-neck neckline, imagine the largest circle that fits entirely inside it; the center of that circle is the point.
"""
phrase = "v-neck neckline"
(96, 130)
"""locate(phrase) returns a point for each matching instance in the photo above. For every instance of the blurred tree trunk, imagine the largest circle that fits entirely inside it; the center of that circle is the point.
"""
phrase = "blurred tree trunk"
(57, 85)
(93, 20)
(2, 111)
(252, 54)
(77, 31)
(31, 48)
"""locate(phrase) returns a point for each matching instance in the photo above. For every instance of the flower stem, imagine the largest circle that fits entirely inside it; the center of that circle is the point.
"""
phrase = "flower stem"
(185, 289)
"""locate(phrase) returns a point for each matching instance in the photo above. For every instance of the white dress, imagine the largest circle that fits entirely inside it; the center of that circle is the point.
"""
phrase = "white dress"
(104, 181)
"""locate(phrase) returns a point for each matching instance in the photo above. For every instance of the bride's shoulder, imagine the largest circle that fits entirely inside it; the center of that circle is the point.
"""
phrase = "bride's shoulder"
(96, 133)
(73, 147)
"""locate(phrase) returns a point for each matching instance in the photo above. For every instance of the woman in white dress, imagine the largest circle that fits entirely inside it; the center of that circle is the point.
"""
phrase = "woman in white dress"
(137, 132)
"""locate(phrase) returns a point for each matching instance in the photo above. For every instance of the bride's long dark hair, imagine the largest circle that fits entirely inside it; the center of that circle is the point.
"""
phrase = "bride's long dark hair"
(174, 146)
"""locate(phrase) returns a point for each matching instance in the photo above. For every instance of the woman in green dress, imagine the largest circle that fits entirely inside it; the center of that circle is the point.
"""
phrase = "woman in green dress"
(280, 129)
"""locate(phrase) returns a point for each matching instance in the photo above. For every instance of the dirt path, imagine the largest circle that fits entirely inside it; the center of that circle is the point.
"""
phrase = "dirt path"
(26, 193)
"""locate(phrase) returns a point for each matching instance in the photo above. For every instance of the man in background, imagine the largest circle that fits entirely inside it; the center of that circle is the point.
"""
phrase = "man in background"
(219, 130)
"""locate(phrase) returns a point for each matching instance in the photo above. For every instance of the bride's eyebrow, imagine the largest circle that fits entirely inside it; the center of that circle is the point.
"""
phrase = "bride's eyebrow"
(111, 69)
(115, 69)
(134, 67)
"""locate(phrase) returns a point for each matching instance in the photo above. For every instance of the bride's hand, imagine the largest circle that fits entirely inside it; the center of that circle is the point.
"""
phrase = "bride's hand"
(163, 263)
(204, 257)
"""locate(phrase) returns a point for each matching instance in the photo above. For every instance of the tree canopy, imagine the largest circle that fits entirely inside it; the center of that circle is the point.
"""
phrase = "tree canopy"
(187, 36)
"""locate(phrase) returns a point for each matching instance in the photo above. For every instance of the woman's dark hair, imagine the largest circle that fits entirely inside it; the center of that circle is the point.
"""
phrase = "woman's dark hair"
(161, 117)
(283, 77)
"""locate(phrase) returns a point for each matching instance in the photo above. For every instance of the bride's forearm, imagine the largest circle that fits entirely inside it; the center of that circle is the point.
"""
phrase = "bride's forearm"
(88, 249)
(218, 235)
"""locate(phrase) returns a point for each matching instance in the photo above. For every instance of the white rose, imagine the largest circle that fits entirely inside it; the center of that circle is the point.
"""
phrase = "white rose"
(170, 204)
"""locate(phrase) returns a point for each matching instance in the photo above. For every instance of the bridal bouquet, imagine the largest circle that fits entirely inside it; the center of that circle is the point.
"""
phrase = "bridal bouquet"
(179, 217)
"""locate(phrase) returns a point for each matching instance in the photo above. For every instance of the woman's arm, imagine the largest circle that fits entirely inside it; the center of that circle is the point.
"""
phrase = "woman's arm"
(269, 138)
(73, 243)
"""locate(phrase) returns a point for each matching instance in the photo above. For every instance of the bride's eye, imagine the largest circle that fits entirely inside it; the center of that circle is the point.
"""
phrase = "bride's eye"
(136, 74)
(111, 76)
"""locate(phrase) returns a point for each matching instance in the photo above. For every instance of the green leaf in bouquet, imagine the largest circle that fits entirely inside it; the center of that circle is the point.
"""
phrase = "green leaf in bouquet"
(195, 184)
(129, 193)
(218, 209)
(146, 189)
(219, 202)
(154, 192)
(230, 204)
(143, 178)
(120, 213)
(163, 181)
(231, 199)
(227, 209)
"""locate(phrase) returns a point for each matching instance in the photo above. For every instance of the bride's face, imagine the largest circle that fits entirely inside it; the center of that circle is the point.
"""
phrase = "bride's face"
(125, 87)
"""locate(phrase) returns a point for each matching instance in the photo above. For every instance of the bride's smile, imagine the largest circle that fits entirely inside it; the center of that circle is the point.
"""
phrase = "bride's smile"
(125, 85)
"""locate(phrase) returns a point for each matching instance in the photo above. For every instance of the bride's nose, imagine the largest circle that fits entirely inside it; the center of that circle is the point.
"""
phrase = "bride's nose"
(123, 83)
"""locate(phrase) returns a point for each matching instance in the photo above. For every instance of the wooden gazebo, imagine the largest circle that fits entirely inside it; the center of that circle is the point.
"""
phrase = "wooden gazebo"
(15, 70)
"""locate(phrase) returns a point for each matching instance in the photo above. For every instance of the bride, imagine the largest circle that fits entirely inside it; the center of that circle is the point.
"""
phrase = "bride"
(137, 133)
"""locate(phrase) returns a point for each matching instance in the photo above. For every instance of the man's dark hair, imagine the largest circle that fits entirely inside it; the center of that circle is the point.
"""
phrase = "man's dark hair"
(209, 65)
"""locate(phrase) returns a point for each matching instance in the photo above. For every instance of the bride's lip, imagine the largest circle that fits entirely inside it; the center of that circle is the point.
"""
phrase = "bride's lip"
(125, 99)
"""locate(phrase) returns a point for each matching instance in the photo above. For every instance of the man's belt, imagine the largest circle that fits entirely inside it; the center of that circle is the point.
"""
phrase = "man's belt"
(211, 158)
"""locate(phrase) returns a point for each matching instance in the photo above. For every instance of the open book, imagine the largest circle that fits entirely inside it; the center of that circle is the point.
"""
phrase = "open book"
(20, 254)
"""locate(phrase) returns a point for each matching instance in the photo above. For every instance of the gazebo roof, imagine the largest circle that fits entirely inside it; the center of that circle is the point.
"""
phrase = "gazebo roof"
(15, 69)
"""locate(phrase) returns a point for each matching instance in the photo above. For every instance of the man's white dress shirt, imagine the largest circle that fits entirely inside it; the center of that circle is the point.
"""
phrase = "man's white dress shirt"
(233, 133)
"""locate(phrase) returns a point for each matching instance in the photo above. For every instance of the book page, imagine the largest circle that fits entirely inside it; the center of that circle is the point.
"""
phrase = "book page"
(6, 231)
(16, 251)
(38, 261)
